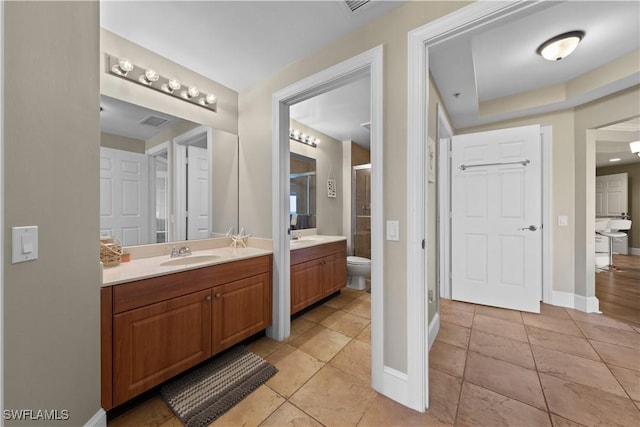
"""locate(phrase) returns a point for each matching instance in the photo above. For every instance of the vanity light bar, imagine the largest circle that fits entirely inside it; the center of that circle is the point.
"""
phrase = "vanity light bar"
(296, 135)
(148, 77)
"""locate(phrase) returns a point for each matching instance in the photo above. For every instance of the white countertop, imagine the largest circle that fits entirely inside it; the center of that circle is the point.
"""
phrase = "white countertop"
(306, 241)
(144, 268)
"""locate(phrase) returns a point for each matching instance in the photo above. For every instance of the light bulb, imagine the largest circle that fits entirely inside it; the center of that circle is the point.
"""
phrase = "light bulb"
(193, 92)
(210, 99)
(174, 84)
(123, 67)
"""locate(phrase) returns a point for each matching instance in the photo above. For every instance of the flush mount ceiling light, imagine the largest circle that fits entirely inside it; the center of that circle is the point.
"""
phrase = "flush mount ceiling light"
(560, 46)
(615, 159)
(635, 147)
(150, 78)
(296, 135)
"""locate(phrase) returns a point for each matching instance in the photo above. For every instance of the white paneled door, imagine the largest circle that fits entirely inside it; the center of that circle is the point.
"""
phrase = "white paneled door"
(612, 195)
(198, 193)
(124, 186)
(497, 218)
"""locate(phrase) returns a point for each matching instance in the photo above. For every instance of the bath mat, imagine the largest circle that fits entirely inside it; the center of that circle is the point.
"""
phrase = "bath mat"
(200, 396)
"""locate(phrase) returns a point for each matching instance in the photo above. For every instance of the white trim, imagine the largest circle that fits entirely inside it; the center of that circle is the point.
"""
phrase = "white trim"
(575, 301)
(1, 210)
(444, 206)
(395, 384)
(369, 62)
(547, 213)
(99, 419)
(434, 328)
(563, 299)
(462, 20)
(634, 251)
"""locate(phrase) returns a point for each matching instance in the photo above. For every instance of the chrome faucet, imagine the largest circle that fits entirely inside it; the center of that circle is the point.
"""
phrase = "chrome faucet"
(296, 235)
(183, 251)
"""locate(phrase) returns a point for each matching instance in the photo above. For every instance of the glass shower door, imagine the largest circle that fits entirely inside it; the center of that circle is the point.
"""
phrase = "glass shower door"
(361, 211)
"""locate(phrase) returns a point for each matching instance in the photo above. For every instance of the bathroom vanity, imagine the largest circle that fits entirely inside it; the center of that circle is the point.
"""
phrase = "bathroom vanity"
(154, 328)
(318, 269)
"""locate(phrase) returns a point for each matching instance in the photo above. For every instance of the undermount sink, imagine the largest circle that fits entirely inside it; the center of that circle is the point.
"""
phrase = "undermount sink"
(188, 260)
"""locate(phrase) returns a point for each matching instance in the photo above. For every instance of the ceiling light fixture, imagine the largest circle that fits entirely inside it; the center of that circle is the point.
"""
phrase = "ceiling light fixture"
(615, 159)
(560, 46)
(150, 78)
(296, 135)
(635, 147)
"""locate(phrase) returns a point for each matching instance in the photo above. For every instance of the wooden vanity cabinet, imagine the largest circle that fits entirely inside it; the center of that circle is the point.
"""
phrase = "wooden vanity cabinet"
(317, 272)
(154, 329)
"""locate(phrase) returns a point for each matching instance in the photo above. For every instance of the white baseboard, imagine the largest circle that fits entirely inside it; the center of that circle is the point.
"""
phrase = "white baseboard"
(577, 302)
(634, 251)
(99, 419)
(434, 328)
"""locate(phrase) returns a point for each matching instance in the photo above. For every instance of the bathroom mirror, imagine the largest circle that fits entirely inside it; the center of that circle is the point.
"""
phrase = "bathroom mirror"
(302, 193)
(163, 178)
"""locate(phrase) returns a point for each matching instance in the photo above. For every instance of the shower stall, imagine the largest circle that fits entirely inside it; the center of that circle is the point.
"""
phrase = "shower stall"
(361, 211)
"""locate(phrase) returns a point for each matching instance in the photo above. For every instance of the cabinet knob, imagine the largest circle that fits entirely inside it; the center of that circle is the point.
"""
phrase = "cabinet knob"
(207, 298)
(218, 295)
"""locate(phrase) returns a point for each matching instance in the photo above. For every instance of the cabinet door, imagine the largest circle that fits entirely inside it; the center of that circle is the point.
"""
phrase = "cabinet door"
(240, 309)
(306, 284)
(334, 273)
(156, 342)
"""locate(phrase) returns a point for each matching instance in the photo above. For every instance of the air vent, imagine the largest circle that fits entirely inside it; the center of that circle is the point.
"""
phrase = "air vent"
(154, 121)
(356, 4)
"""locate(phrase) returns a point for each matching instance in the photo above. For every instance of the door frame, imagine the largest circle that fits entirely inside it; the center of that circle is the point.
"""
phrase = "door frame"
(383, 379)
(151, 153)
(473, 16)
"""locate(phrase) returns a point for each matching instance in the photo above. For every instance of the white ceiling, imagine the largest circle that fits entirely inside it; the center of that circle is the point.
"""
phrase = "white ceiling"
(612, 142)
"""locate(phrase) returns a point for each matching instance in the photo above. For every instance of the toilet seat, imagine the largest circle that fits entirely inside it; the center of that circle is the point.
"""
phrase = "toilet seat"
(356, 260)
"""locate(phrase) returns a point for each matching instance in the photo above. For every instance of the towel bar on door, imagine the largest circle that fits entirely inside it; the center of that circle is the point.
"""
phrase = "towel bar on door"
(521, 162)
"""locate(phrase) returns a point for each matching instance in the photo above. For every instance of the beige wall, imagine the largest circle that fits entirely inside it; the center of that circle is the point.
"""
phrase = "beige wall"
(562, 124)
(118, 142)
(633, 170)
(328, 155)
(255, 135)
(51, 305)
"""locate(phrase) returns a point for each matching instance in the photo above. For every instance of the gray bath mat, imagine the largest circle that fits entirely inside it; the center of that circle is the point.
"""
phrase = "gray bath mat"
(204, 394)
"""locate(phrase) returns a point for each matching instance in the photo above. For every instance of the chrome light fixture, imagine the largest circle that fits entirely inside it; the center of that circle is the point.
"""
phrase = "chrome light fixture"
(560, 46)
(150, 78)
(296, 135)
(635, 147)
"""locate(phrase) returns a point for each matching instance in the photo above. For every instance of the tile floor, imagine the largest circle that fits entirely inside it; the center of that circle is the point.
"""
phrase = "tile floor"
(488, 367)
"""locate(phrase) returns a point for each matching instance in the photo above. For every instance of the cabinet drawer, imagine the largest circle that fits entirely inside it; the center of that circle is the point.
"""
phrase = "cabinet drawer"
(319, 251)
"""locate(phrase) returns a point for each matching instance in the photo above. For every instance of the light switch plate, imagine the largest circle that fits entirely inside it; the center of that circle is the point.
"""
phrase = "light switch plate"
(563, 220)
(393, 230)
(24, 244)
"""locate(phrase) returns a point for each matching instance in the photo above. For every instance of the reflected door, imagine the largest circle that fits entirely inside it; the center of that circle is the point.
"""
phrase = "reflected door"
(497, 218)
(198, 193)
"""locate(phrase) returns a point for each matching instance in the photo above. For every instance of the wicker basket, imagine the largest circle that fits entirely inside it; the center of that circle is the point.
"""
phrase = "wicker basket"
(110, 251)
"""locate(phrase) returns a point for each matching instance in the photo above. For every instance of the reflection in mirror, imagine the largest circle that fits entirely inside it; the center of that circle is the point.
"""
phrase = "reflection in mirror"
(302, 203)
(163, 178)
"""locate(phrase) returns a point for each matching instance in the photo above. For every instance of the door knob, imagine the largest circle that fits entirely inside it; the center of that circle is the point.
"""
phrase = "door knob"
(530, 228)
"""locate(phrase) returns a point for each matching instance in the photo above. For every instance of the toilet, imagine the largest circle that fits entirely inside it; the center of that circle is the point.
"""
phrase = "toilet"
(358, 269)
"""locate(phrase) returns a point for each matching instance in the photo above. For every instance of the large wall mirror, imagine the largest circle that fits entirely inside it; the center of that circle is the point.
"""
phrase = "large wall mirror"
(163, 178)
(302, 195)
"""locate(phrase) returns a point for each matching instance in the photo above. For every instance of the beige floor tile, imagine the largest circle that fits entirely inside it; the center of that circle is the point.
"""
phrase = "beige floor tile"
(365, 297)
(365, 335)
(502, 348)
(251, 410)
(554, 311)
(458, 305)
(558, 421)
(616, 355)
(499, 313)
(451, 314)
(385, 412)
(171, 422)
(353, 293)
(587, 405)
(264, 346)
(340, 301)
(334, 398)
(151, 412)
(505, 378)
(482, 407)
(346, 323)
(629, 379)
(321, 343)
(447, 358)
(576, 369)
(444, 393)
(318, 314)
(561, 342)
(551, 323)
(500, 327)
(598, 319)
(299, 326)
(295, 367)
(289, 416)
(360, 307)
(454, 334)
(355, 359)
(611, 335)
(636, 328)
